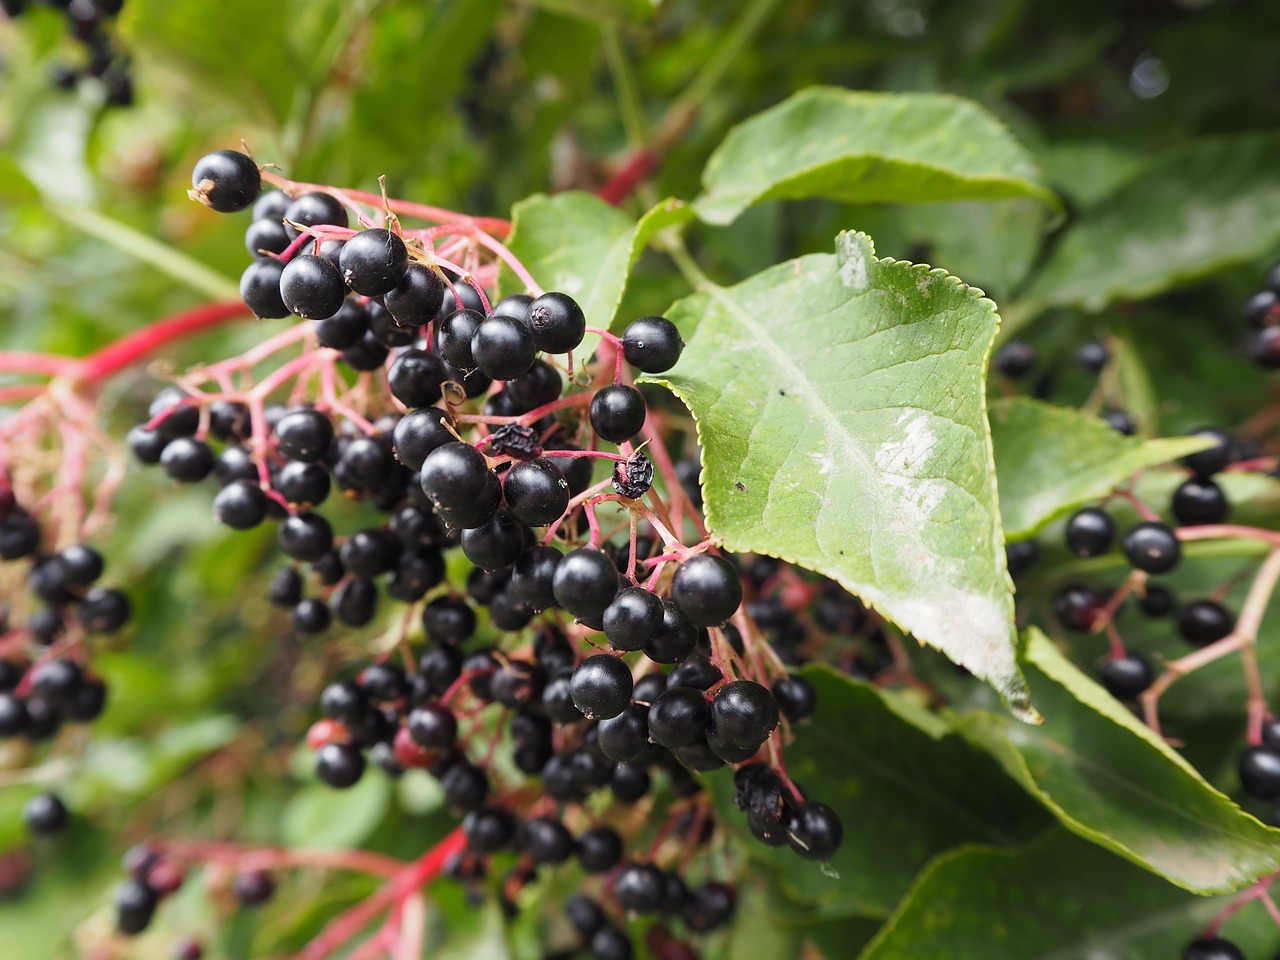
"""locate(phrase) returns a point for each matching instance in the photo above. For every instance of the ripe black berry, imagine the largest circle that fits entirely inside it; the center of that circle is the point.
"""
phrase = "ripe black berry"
(633, 618)
(419, 432)
(416, 377)
(1126, 677)
(1204, 621)
(453, 475)
(796, 697)
(538, 386)
(311, 616)
(1199, 501)
(533, 575)
(652, 344)
(546, 840)
(187, 460)
(416, 299)
(1157, 602)
(710, 907)
(312, 287)
(744, 713)
(45, 815)
(1090, 532)
(496, 543)
(303, 485)
(610, 943)
(266, 236)
(679, 717)
(339, 764)
(1092, 357)
(1205, 463)
(313, 210)
(640, 887)
(104, 610)
(135, 905)
(1259, 769)
(1212, 948)
(373, 262)
(1152, 547)
(707, 589)
(345, 328)
(815, 831)
(503, 348)
(536, 492)
(260, 289)
(617, 413)
(241, 505)
(305, 536)
(489, 829)
(225, 181)
(1015, 360)
(367, 353)
(556, 322)
(625, 738)
(454, 337)
(304, 435)
(585, 583)
(253, 888)
(601, 686)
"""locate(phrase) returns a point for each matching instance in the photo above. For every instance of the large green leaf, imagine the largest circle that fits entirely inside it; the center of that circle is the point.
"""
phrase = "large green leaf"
(1195, 210)
(1050, 459)
(1110, 779)
(319, 816)
(1062, 899)
(905, 791)
(576, 243)
(840, 404)
(867, 147)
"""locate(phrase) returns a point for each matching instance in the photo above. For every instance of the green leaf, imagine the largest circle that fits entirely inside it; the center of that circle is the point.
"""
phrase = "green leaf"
(1192, 212)
(602, 11)
(903, 793)
(840, 405)
(319, 816)
(867, 147)
(576, 243)
(1050, 459)
(1061, 899)
(1107, 777)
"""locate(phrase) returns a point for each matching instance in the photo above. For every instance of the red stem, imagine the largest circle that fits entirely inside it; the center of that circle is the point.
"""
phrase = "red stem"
(126, 351)
(640, 166)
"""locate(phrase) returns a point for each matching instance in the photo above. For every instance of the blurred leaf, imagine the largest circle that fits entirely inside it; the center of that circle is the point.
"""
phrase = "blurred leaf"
(867, 147)
(578, 244)
(903, 793)
(601, 11)
(860, 448)
(1138, 243)
(320, 816)
(1062, 898)
(1050, 459)
(1107, 777)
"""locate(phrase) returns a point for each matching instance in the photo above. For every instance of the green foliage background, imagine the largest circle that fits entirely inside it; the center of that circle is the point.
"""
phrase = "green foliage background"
(969, 835)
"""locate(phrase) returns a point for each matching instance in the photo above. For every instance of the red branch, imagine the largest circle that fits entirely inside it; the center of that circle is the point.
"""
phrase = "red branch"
(126, 351)
(639, 167)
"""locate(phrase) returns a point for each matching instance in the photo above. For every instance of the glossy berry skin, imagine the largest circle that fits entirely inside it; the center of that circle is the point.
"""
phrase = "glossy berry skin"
(187, 460)
(744, 713)
(678, 717)
(1092, 357)
(226, 181)
(312, 288)
(1259, 769)
(815, 832)
(585, 583)
(135, 905)
(1015, 360)
(652, 344)
(496, 543)
(311, 616)
(260, 289)
(416, 377)
(241, 505)
(453, 475)
(1152, 546)
(433, 725)
(1204, 621)
(367, 353)
(305, 536)
(1126, 677)
(1158, 602)
(1199, 501)
(253, 888)
(546, 840)
(1090, 532)
(45, 815)
(1215, 459)
(488, 830)
(419, 432)
(640, 887)
(503, 348)
(339, 765)
(536, 492)
(345, 328)
(533, 575)
(313, 210)
(1212, 948)
(266, 236)
(625, 738)
(556, 322)
(416, 299)
(617, 413)
(707, 589)
(601, 686)
(633, 618)
(1076, 606)
(373, 262)
(454, 337)
(104, 610)
(711, 906)
(796, 697)
(610, 943)
(304, 435)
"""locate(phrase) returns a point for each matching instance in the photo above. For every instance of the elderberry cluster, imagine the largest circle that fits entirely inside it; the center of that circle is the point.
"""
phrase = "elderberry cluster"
(1262, 312)
(89, 22)
(615, 661)
(44, 683)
